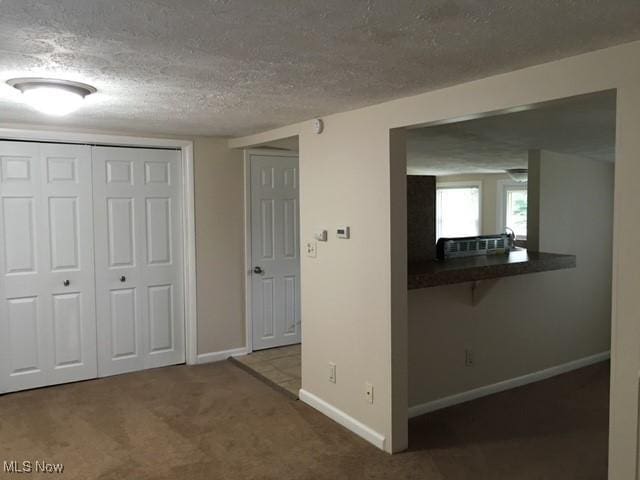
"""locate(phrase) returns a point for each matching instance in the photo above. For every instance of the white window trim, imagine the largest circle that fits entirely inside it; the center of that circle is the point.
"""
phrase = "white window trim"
(463, 184)
(501, 202)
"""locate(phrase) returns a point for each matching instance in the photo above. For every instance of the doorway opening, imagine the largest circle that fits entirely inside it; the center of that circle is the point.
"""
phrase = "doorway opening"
(273, 307)
(510, 221)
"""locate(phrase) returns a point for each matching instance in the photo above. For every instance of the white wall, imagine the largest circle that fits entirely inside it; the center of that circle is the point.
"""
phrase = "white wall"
(531, 322)
(348, 293)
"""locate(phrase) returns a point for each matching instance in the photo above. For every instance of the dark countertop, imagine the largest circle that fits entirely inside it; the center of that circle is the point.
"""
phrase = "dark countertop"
(469, 269)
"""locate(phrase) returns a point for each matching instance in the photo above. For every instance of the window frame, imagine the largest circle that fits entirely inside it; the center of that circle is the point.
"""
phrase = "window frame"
(503, 187)
(442, 185)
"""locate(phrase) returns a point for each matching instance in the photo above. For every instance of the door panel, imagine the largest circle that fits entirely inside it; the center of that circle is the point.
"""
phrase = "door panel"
(18, 168)
(62, 170)
(67, 329)
(290, 227)
(120, 233)
(267, 228)
(24, 349)
(290, 305)
(267, 304)
(160, 318)
(123, 322)
(138, 259)
(20, 231)
(64, 233)
(157, 172)
(275, 250)
(67, 262)
(158, 231)
(119, 172)
(47, 312)
(23, 323)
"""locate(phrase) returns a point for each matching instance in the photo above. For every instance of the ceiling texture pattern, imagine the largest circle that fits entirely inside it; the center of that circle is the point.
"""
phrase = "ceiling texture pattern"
(583, 126)
(233, 67)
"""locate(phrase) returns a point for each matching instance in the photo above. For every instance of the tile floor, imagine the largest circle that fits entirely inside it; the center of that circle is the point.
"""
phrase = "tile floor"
(280, 367)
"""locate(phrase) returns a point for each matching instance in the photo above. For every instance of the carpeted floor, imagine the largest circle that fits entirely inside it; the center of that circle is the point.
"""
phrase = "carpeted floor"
(218, 422)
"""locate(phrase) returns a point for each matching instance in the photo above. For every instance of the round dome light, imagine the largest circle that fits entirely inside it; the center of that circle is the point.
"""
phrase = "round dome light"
(52, 96)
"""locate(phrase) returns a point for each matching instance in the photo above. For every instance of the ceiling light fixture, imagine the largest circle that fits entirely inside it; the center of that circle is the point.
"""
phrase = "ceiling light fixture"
(52, 96)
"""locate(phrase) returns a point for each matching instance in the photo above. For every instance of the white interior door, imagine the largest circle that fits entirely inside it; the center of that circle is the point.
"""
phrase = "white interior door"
(139, 273)
(275, 284)
(47, 311)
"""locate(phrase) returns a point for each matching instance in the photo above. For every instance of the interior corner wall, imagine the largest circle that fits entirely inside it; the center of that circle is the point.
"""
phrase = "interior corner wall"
(219, 218)
(526, 323)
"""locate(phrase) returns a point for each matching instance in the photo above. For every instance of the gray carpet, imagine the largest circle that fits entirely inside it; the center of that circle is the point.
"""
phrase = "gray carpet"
(218, 422)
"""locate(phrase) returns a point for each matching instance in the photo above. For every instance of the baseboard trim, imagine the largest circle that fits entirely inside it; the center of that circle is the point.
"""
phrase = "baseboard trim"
(219, 356)
(479, 392)
(343, 419)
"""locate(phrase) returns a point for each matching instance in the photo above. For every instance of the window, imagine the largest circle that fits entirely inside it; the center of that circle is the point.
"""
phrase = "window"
(513, 209)
(457, 210)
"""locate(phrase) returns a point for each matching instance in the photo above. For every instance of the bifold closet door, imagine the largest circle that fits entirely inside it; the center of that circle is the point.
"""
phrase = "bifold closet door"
(139, 274)
(47, 310)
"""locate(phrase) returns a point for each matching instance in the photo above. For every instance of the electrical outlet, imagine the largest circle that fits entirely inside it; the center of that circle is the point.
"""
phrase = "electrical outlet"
(312, 249)
(332, 372)
(368, 392)
(469, 359)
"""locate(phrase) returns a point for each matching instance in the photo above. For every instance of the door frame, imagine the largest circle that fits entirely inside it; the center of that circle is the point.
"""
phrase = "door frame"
(248, 260)
(188, 204)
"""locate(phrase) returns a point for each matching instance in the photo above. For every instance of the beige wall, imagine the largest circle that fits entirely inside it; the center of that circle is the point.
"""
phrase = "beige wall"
(531, 322)
(348, 292)
(344, 180)
(219, 205)
(489, 200)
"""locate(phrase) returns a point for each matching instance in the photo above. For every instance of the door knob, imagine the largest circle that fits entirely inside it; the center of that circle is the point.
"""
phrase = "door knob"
(258, 270)
(66, 283)
(123, 279)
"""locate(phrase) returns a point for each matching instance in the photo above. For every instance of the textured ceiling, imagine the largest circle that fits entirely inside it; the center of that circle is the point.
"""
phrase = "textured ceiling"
(583, 126)
(232, 67)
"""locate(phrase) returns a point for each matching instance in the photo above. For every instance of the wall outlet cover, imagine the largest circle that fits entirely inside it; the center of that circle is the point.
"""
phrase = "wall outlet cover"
(469, 359)
(332, 372)
(311, 249)
(368, 392)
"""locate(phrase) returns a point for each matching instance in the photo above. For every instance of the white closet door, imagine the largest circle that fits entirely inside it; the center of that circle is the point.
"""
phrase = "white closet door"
(139, 274)
(47, 311)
